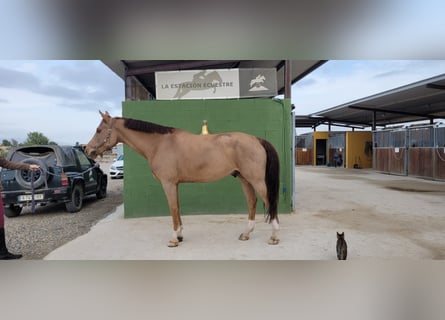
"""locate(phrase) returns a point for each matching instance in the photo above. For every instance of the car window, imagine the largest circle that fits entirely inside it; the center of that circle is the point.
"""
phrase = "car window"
(121, 157)
(84, 161)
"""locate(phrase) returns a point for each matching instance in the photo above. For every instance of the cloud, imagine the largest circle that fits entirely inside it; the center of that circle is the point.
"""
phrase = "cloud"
(88, 105)
(75, 84)
(13, 79)
(17, 79)
(306, 82)
(391, 73)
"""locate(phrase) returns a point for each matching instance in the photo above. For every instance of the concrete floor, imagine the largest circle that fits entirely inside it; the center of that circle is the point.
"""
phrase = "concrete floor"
(383, 217)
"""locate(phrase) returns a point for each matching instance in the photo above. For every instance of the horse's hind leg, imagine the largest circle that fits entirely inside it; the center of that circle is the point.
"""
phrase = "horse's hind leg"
(249, 192)
(171, 192)
(260, 187)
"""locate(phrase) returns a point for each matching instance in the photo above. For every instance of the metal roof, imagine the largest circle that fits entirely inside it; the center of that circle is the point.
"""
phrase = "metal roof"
(302, 121)
(422, 100)
(144, 70)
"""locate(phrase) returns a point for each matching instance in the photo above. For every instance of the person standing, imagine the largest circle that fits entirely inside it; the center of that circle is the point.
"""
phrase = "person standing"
(4, 253)
(338, 159)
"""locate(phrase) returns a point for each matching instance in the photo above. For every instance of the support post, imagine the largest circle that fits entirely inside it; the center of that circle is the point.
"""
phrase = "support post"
(287, 80)
(128, 87)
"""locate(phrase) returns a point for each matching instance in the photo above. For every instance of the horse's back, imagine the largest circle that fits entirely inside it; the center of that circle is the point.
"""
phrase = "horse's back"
(213, 156)
(219, 140)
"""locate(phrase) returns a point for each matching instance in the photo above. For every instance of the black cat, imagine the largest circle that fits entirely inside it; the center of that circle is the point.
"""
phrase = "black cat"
(342, 247)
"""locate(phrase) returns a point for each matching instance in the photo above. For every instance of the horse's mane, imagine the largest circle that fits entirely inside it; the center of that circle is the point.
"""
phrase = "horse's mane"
(146, 126)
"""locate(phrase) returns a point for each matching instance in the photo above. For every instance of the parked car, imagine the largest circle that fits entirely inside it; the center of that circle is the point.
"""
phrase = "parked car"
(66, 175)
(117, 168)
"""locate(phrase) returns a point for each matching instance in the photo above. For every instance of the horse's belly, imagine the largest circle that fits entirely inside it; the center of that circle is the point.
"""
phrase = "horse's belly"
(206, 174)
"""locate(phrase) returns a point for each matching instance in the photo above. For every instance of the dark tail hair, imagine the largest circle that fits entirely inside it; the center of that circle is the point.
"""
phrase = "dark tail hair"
(272, 179)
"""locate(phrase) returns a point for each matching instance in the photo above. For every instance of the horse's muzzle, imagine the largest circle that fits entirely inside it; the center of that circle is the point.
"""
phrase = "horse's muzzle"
(92, 154)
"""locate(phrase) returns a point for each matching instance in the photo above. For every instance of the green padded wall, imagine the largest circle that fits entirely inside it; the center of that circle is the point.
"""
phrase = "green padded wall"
(265, 118)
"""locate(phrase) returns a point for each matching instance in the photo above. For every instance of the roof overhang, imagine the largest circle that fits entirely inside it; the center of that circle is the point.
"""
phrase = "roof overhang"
(313, 121)
(144, 70)
(423, 100)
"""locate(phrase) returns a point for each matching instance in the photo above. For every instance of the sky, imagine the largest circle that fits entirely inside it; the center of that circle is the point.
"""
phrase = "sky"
(61, 98)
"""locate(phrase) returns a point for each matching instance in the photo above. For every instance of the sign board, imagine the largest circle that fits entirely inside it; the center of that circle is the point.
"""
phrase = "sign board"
(216, 84)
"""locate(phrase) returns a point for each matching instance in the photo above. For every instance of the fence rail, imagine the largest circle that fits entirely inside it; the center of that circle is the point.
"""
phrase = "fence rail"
(416, 151)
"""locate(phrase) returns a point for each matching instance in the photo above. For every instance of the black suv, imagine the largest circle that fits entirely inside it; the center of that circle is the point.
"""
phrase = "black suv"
(66, 175)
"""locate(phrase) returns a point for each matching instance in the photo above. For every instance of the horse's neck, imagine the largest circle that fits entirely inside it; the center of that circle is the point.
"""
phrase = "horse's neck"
(143, 143)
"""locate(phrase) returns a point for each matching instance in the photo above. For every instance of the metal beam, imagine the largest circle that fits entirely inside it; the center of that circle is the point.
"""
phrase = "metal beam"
(309, 70)
(435, 86)
(429, 116)
(308, 122)
(177, 66)
(325, 120)
(346, 125)
(280, 65)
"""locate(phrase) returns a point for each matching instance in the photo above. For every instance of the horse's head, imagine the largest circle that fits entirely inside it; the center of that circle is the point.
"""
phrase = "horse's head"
(104, 138)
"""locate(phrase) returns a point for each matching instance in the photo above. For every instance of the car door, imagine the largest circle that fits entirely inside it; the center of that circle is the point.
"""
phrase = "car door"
(89, 175)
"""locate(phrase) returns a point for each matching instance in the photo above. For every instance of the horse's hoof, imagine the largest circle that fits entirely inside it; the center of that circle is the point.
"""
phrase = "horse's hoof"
(173, 244)
(273, 241)
(180, 239)
(242, 237)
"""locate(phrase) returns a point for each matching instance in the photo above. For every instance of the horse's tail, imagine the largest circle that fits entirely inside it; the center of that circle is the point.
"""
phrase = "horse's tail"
(272, 179)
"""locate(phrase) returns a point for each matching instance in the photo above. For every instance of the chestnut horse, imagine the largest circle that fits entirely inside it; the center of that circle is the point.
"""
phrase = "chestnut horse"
(177, 156)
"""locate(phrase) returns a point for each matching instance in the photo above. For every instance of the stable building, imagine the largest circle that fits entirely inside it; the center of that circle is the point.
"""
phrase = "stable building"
(229, 95)
(406, 124)
(348, 149)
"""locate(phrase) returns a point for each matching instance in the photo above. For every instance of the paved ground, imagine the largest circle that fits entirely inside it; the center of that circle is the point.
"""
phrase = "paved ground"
(383, 217)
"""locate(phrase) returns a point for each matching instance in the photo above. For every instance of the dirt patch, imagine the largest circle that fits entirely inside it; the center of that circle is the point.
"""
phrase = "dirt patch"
(404, 189)
(400, 183)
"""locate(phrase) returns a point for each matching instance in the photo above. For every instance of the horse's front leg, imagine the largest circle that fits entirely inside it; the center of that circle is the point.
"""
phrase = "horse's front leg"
(171, 192)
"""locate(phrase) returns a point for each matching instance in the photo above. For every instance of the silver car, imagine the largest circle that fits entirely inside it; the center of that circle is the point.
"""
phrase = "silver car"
(117, 168)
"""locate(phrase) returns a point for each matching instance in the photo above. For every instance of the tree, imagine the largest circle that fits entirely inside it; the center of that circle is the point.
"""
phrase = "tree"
(6, 143)
(36, 138)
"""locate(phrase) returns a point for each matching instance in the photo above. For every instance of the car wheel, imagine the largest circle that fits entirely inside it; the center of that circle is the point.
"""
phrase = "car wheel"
(102, 192)
(13, 211)
(23, 177)
(76, 200)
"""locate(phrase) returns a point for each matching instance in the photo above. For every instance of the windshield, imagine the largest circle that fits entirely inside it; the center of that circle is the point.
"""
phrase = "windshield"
(121, 157)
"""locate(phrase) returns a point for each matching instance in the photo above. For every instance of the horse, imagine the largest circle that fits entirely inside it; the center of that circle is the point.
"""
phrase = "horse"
(175, 156)
(201, 81)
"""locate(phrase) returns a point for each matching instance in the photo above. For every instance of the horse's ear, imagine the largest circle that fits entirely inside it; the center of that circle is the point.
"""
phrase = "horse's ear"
(105, 115)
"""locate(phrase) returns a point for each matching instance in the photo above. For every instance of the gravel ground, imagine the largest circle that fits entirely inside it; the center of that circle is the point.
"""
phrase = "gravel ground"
(36, 235)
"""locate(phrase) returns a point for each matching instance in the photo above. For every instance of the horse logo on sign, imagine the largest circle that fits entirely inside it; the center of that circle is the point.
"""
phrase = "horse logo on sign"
(257, 84)
(201, 81)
